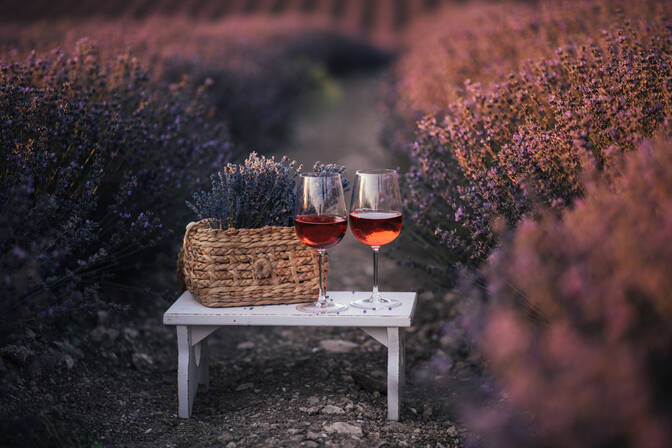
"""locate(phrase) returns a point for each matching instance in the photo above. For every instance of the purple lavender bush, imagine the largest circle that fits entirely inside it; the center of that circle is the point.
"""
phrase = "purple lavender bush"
(95, 161)
(255, 67)
(500, 154)
(592, 367)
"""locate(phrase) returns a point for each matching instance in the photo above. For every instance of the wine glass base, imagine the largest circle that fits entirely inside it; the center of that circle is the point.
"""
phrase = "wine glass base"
(375, 304)
(314, 308)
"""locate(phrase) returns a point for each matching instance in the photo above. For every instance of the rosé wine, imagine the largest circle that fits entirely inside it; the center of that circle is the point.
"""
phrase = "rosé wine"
(375, 228)
(321, 231)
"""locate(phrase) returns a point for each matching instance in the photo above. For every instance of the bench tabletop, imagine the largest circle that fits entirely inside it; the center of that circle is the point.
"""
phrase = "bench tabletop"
(187, 311)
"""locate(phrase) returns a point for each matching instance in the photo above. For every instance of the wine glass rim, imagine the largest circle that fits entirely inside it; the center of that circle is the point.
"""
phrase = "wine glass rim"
(314, 174)
(377, 172)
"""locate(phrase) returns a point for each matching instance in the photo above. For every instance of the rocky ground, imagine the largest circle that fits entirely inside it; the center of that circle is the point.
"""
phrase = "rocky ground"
(116, 386)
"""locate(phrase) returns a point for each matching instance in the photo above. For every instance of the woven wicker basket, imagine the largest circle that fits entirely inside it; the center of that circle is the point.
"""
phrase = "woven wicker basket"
(244, 267)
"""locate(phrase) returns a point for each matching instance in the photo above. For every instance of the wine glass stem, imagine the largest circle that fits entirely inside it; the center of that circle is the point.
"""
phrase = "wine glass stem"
(321, 299)
(375, 295)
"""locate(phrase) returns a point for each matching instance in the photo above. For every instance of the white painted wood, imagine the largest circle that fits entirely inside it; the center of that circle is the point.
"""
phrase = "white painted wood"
(377, 333)
(200, 332)
(395, 375)
(196, 322)
(187, 372)
(187, 311)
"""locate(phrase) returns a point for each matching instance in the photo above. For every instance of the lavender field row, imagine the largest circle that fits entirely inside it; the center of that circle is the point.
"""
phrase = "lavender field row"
(538, 141)
(534, 140)
(368, 16)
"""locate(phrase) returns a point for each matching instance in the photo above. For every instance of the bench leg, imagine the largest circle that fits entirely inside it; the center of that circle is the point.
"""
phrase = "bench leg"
(193, 365)
(187, 372)
(395, 372)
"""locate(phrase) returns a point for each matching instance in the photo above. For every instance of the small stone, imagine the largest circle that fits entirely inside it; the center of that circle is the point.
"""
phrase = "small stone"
(337, 346)
(452, 431)
(292, 431)
(103, 317)
(231, 445)
(142, 362)
(100, 333)
(113, 334)
(312, 410)
(224, 437)
(331, 409)
(310, 444)
(313, 435)
(396, 426)
(130, 333)
(427, 411)
(245, 345)
(369, 382)
(70, 349)
(345, 400)
(18, 354)
(343, 428)
(244, 386)
(68, 361)
(313, 401)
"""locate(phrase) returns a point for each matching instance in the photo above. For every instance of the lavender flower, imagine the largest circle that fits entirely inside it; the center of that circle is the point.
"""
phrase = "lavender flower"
(592, 369)
(500, 153)
(259, 192)
(94, 158)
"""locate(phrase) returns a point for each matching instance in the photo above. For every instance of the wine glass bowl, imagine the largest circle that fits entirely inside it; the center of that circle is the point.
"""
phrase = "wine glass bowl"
(320, 231)
(376, 219)
(320, 222)
(375, 228)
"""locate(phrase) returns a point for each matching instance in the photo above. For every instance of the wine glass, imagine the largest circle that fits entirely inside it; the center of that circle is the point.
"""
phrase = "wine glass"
(321, 222)
(375, 219)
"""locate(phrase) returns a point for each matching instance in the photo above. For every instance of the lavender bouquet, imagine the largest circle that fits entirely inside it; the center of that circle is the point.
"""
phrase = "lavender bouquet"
(257, 193)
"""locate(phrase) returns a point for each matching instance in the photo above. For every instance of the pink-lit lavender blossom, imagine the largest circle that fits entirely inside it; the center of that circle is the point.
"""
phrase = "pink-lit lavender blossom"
(499, 153)
(593, 368)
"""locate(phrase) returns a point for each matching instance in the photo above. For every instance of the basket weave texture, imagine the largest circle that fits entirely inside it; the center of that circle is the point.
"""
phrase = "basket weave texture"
(244, 267)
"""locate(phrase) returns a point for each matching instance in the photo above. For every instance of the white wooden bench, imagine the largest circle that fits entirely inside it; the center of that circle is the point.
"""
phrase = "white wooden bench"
(196, 322)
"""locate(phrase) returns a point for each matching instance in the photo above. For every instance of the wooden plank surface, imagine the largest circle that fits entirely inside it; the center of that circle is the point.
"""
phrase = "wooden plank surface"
(187, 311)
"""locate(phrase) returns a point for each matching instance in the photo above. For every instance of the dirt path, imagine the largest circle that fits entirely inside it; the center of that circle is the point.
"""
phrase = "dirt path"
(269, 386)
(281, 386)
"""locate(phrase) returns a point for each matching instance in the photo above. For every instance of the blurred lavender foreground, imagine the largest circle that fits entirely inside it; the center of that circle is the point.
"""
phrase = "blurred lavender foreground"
(534, 141)
(596, 278)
